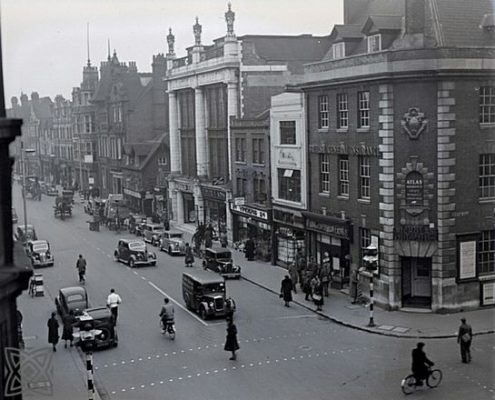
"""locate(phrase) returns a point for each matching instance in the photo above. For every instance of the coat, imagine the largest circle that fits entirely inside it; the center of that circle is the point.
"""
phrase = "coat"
(68, 329)
(53, 330)
(464, 328)
(286, 289)
(189, 255)
(325, 271)
(249, 249)
(294, 276)
(231, 343)
(420, 362)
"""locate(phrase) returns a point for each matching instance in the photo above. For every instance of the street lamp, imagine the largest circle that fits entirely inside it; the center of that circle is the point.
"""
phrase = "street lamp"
(28, 151)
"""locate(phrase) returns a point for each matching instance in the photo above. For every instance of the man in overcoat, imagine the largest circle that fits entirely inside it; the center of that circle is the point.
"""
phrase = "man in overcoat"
(286, 290)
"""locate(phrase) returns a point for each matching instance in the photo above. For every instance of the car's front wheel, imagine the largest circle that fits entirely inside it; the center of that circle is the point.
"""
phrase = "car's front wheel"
(202, 313)
(132, 263)
(115, 257)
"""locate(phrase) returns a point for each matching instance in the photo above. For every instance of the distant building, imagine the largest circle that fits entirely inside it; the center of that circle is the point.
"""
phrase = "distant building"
(58, 153)
(400, 123)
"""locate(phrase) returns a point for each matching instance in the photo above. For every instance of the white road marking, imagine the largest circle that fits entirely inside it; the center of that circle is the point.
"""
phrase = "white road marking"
(178, 304)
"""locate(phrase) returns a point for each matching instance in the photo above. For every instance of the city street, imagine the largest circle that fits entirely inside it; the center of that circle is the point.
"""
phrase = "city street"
(285, 353)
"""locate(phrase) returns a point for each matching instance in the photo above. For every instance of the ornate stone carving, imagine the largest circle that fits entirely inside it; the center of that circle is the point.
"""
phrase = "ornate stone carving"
(197, 33)
(230, 18)
(414, 123)
(170, 41)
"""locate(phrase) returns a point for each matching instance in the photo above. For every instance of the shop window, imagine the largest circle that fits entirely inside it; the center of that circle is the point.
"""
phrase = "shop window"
(342, 111)
(287, 132)
(344, 176)
(289, 184)
(324, 173)
(486, 252)
(487, 176)
(322, 112)
(364, 109)
(487, 105)
(364, 177)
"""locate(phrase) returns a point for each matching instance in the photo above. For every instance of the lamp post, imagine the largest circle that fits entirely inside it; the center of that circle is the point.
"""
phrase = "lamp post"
(371, 264)
(30, 151)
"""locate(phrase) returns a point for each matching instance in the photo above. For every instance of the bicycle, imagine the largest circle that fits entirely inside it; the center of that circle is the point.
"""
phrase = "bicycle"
(433, 379)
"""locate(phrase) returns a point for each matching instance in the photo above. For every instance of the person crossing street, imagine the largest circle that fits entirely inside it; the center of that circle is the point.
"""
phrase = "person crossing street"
(81, 268)
(113, 302)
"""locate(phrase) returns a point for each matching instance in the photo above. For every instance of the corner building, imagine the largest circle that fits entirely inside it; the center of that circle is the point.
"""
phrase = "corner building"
(232, 78)
(401, 122)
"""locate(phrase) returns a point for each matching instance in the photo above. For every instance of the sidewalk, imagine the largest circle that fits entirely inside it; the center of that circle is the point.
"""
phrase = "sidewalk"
(339, 309)
(66, 372)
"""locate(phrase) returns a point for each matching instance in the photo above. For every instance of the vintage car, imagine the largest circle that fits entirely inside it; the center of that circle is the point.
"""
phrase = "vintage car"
(219, 259)
(173, 243)
(153, 233)
(39, 253)
(51, 190)
(24, 235)
(73, 299)
(134, 252)
(205, 293)
(103, 321)
(14, 216)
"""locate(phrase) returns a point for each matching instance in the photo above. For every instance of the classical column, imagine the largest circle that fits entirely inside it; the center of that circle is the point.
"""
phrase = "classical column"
(201, 142)
(175, 161)
(232, 107)
(180, 208)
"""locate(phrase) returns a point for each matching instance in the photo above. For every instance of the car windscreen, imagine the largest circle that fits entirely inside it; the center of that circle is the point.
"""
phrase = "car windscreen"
(224, 254)
(138, 246)
(40, 247)
(176, 235)
(157, 228)
(214, 287)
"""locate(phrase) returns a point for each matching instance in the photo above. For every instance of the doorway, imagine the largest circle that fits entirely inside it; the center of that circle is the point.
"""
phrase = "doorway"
(416, 282)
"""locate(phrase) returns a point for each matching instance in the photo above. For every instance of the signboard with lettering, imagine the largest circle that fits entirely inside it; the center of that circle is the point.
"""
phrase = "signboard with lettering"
(487, 293)
(288, 157)
(213, 194)
(249, 211)
(132, 193)
(414, 189)
(337, 228)
(419, 233)
(467, 257)
(358, 149)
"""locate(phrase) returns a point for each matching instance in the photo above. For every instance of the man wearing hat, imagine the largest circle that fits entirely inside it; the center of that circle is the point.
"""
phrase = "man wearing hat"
(464, 338)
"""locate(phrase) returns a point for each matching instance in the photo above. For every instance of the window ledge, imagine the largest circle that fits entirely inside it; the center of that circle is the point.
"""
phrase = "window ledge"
(363, 130)
(323, 194)
(342, 130)
(342, 197)
(241, 162)
(258, 164)
(488, 200)
(364, 201)
(323, 130)
(487, 125)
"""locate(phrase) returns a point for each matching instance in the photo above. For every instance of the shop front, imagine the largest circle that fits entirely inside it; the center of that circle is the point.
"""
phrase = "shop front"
(255, 223)
(215, 211)
(187, 208)
(133, 199)
(289, 235)
(332, 235)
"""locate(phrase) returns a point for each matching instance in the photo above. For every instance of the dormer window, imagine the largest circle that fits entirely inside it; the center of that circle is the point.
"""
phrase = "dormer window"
(374, 43)
(338, 50)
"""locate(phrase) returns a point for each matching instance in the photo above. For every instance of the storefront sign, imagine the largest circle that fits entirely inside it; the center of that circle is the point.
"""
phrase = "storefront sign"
(213, 194)
(239, 201)
(132, 193)
(337, 229)
(414, 189)
(184, 187)
(419, 233)
(91, 181)
(288, 157)
(288, 218)
(358, 149)
(467, 260)
(249, 211)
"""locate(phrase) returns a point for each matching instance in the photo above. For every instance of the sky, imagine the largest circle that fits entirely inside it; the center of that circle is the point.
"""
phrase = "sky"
(44, 42)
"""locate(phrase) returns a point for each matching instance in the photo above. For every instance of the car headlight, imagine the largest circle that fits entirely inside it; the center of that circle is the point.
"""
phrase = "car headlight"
(210, 304)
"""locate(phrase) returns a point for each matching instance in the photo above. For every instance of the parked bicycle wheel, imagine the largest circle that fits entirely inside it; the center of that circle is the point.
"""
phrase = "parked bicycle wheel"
(408, 384)
(434, 378)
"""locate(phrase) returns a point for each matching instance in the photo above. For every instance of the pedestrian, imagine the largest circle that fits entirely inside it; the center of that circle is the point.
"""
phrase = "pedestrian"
(464, 338)
(317, 292)
(294, 276)
(208, 239)
(312, 266)
(113, 301)
(223, 239)
(81, 268)
(53, 331)
(325, 273)
(249, 249)
(306, 284)
(354, 280)
(300, 260)
(286, 290)
(231, 343)
(68, 328)
(189, 259)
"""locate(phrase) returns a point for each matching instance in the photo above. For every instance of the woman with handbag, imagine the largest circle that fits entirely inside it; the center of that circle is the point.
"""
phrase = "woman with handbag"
(317, 293)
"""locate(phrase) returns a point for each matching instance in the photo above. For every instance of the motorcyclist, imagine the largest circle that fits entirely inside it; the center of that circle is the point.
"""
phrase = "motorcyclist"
(167, 314)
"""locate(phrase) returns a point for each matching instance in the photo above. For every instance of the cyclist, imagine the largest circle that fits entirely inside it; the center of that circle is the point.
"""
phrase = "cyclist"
(81, 268)
(420, 364)
(167, 314)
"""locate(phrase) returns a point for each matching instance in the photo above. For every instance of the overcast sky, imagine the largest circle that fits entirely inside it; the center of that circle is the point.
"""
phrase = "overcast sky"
(44, 41)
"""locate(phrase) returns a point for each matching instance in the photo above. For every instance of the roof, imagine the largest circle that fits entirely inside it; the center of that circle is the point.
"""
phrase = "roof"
(349, 32)
(289, 48)
(377, 23)
(132, 241)
(99, 312)
(35, 242)
(73, 290)
(204, 276)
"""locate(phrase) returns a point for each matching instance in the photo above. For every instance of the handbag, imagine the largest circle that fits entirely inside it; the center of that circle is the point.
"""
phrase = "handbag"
(317, 297)
(466, 337)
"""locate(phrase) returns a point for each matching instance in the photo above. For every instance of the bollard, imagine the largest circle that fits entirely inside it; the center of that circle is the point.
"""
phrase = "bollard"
(372, 322)
(89, 370)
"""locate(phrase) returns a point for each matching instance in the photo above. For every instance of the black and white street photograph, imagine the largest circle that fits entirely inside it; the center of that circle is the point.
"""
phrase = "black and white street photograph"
(247, 199)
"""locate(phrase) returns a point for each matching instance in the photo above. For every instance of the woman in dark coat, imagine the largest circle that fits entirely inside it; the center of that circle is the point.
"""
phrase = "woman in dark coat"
(231, 343)
(68, 329)
(189, 256)
(249, 249)
(317, 290)
(286, 290)
(53, 331)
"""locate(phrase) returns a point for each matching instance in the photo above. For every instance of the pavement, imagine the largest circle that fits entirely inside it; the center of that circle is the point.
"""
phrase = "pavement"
(338, 307)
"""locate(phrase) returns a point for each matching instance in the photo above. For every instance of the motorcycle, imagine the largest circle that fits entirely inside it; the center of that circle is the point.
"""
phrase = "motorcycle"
(168, 328)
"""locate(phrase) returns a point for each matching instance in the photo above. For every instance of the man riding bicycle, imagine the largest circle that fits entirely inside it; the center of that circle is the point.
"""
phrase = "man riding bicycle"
(420, 364)
(167, 314)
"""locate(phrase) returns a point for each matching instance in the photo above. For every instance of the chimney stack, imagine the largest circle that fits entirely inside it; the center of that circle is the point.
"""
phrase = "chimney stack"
(415, 17)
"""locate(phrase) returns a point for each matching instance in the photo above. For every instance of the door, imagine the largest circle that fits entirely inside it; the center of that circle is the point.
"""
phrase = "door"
(416, 281)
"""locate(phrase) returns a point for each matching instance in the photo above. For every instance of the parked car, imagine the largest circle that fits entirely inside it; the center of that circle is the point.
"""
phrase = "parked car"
(134, 252)
(24, 235)
(173, 243)
(219, 260)
(103, 321)
(153, 233)
(51, 190)
(205, 293)
(73, 299)
(38, 252)
(14, 216)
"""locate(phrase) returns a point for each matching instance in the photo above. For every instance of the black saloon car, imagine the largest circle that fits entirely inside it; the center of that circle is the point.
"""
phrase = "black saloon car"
(134, 252)
(103, 321)
(39, 253)
(219, 259)
(73, 299)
